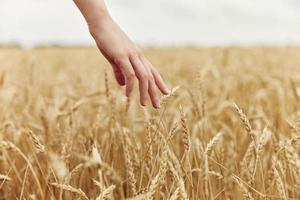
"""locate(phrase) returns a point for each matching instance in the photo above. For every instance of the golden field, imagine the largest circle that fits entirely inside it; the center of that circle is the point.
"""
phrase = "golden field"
(230, 129)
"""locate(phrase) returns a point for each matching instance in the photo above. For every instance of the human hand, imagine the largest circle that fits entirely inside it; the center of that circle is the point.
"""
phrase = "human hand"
(127, 60)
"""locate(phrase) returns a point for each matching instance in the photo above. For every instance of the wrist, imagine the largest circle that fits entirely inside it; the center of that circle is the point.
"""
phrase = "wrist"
(97, 24)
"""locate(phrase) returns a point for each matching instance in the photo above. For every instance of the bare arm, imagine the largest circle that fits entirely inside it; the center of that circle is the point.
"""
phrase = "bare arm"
(126, 59)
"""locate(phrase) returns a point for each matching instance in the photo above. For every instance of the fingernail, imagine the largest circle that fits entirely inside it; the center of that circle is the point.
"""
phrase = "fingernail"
(157, 105)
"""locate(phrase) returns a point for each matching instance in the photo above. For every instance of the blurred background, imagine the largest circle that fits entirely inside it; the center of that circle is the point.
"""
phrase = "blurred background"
(156, 22)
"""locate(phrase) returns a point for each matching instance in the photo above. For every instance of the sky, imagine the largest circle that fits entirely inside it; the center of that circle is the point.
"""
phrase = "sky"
(156, 22)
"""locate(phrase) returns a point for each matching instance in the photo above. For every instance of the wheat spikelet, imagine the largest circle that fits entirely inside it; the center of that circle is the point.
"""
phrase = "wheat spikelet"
(106, 193)
(294, 126)
(182, 192)
(110, 98)
(216, 174)
(163, 167)
(8, 146)
(110, 172)
(243, 188)
(175, 160)
(38, 145)
(95, 154)
(171, 155)
(165, 98)
(107, 87)
(129, 166)
(67, 146)
(4, 178)
(172, 132)
(77, 105)
(207, 151)
(249, 154)
(74, 171)
(291, 154)
(279, 183)
(245, 121)
(293, 161)
(175, 195)
(295, 138)
(186, 134)
(149, 156)
(200, 81)
(70, 189)
(213, 142)
(159, 178)
(113, 109)
(153, 187)
(263, 139)
(99, 184)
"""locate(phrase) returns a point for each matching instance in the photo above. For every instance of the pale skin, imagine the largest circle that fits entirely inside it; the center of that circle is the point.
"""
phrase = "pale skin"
(126, 59)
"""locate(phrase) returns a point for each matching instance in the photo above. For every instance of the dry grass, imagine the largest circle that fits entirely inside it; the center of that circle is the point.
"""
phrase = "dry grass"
(231, 130)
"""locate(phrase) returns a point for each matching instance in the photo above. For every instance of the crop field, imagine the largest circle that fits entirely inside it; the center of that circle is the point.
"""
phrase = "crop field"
(229, 129)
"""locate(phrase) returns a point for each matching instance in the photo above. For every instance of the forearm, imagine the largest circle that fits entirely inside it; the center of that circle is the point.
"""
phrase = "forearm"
(92, 10)
(126, 59)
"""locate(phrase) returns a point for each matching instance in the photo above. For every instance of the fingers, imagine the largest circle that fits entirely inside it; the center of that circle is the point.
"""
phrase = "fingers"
(127, 70)
(117, 71)
(152, 87)
(149, 79)
(158, 79)
(153, 94)
(143, 76)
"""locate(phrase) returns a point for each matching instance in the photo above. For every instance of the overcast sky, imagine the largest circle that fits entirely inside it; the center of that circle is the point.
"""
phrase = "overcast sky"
(162, 22)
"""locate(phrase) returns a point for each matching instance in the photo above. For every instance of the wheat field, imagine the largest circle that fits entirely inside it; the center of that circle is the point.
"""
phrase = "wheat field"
(229, 129)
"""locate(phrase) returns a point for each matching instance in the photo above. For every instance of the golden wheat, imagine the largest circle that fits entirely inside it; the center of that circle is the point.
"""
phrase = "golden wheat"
(68, 132)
